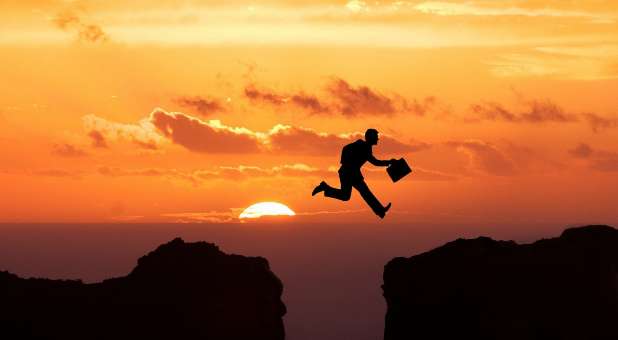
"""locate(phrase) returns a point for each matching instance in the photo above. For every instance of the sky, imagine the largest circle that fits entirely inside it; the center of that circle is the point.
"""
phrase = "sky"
(190, 111)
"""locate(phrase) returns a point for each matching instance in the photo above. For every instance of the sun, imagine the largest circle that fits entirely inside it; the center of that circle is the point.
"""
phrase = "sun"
(266, 209)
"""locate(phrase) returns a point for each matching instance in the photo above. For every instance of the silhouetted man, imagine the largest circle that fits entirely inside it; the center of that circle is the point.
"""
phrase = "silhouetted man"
(353, 156)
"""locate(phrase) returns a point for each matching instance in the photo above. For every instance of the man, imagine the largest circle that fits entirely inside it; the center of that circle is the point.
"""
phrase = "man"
(353, 156)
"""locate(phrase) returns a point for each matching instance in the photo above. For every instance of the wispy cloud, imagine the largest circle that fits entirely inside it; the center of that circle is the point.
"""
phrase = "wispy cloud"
(598, 123)
(203, 217)
(485, 157)
(68, 150)
(497, 8)
(534, 111)
(233, 173)
(342, 98)
(55, 172)
(203, 106)
(601, 160)
(579, 62)
(69, 21)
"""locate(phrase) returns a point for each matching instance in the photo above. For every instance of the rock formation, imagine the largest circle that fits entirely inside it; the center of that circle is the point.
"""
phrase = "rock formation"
(560, 288)
(179, 291)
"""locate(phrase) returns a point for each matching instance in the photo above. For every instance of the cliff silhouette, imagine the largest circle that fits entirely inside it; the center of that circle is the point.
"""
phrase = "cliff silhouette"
(559, 288)
(179, 291)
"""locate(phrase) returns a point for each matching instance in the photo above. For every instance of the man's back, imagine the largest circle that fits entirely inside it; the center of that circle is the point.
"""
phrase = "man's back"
(355, 154)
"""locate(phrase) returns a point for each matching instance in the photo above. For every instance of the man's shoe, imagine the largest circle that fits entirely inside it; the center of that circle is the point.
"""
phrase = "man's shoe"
(383, 212)
(318, 188)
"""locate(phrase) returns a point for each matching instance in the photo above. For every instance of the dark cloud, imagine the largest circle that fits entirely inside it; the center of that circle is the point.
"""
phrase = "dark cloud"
(537, 111)
(421, 107)
(598, 123)
(203, 106)
(581, 151)
(68, 150)
(304, 141)
(360, 100)
(98, 140)
(150, 145)
(534, 111)
(69, 21)
(197, 135)
(254, 94)
(485, 157)
(600, 160)
(310, 103)
(342, 98)
(607, 163)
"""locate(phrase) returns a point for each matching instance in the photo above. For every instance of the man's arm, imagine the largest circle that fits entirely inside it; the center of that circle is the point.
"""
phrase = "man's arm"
(379, 162)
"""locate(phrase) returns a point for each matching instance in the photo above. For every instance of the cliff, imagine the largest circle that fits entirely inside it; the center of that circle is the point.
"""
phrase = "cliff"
(179, 291)
(560, 288)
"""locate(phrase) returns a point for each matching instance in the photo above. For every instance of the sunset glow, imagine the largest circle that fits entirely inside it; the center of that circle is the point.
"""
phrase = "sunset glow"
(150, 110)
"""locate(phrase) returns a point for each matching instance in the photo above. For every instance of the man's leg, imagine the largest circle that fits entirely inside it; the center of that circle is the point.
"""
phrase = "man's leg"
(370, 198)
(341, 194)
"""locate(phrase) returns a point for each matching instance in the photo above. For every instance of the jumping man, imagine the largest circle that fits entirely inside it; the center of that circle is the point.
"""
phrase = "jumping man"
(353, 156)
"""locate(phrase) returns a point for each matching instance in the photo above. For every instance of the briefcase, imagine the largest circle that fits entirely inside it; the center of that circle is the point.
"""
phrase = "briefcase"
(398, 170)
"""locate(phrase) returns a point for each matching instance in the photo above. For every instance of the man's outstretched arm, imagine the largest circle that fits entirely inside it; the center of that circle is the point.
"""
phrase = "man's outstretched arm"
(379, 162)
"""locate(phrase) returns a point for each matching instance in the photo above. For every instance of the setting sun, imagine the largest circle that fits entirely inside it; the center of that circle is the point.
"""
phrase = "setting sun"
(266, 209)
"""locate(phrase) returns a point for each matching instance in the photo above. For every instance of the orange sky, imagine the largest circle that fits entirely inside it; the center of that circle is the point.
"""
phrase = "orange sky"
(192, 110)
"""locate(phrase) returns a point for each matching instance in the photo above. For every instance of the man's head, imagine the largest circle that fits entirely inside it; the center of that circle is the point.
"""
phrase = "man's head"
(371, 136)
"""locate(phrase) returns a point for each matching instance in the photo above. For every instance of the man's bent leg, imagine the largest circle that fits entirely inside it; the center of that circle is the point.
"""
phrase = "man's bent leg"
(341, 194)
(370, 198)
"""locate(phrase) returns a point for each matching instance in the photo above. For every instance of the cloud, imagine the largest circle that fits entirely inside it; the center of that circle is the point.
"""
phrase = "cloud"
(598, 123)
(59, 173)
(148, 172)
(254, 94)
(69, 21)
(534, 111)
(68, 150)
(581, 151)
(98, 140)
(600, 160)
(143, 134)
(485, 157)
(203, 106)
(443, 8)
(233, 173)
(537, 112)
(203, 217)
(361, 99)
(243, 172)
(213, 136)
(310, 103)
(342, 98)
(204, 136)
(305, 141)
(594, 61)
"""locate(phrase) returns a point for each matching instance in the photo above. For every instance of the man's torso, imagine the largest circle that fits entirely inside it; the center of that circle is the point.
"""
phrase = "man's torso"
(353, 156)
